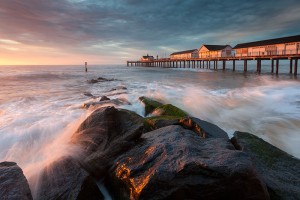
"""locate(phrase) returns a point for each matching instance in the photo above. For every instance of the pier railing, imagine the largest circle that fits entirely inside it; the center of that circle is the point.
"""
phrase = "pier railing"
(292, 56)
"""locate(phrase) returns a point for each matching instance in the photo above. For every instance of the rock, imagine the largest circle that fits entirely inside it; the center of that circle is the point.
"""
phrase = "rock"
(117, 102)
(203, 128)
(118, 88)
(169, 110)
(279, 170)
(153, 123)
(104, 98)
(175, 163)
(64, 179)
(104, 135)
(92, 81)
(13, 184)
(99, 79)
(88, 94)
(150, 104)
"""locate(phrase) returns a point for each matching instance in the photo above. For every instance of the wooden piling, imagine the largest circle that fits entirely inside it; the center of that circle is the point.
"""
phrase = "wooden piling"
(296, 67)
(272, 66)
(245, 65)
(291, 65)
(233, 65)
(277, 66)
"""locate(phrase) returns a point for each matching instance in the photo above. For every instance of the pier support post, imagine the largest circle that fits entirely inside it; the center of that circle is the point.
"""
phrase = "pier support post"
(184, 64)
(272, 66)
(296, 67)
(245, 65)
(233, 65)
(291, 66)
(207, 64)
(277, 66)
(224, 64)
(258, 66)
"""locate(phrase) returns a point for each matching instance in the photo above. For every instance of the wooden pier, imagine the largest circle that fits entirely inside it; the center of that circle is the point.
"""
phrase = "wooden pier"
(213, 63)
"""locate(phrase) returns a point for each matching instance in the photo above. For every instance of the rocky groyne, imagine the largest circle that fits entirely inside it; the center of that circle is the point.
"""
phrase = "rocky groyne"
(166, 154)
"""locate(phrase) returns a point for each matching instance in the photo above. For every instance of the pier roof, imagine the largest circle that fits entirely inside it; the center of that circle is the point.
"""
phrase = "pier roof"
(215, 47)
(186, 51)
(295, 38)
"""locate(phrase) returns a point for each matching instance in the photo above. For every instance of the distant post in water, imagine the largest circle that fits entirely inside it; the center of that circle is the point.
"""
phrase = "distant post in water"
(85, 66)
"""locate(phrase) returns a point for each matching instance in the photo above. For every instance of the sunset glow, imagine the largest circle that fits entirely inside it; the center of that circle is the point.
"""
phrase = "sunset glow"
(106, 32)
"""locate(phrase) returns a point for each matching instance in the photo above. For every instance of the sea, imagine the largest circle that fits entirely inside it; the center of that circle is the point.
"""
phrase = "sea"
(42, 106)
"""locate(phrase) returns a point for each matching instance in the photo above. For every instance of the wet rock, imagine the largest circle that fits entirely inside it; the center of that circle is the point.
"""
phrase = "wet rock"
(118, 88)
(175, 163)
(104, 135)
(203, 128)
(150, 104)
(99, 79)
(153, 123)
(169, 110)
(64, 179)
(13, 184)
(92, 81)
(88, 94)
(104, 98)
(117, 102)
(279, 170)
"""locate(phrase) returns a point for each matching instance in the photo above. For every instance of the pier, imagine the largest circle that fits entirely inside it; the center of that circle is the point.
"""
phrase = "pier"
(221, 62)
(213, 56)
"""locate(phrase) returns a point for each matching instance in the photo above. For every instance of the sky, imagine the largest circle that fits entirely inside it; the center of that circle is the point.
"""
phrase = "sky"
(61, 32)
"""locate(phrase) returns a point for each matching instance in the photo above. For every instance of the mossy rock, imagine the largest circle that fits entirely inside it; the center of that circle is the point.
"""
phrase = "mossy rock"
(150, 104)
(170, 110)
(279, 170)
(153, 123)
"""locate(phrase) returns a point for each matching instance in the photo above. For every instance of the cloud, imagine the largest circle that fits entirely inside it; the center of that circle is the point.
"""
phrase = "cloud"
(114, 27)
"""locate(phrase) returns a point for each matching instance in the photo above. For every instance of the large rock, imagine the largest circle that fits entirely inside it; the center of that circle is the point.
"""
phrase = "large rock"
(64, 179)
(203, 128)
(153, 123)
(175, 163)
(150, 104)
(102, 102)
(104, 135)
(13, 184)
(279, 170)
(169, 110)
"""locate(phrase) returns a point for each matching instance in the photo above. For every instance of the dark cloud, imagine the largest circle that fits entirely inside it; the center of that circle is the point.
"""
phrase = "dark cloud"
(114, 26)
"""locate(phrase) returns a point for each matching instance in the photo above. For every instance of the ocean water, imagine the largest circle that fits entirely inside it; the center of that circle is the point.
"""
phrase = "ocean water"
(41, 106)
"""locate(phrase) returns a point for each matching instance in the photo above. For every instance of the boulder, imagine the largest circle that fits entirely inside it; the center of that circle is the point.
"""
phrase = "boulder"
(150, 104)
(203, 128)
(169, 110)
(117, 102)
(153, 123)
(279, 170)
(104, 98)
(175, 163)
(106, 134)
(13, 184)
(64, 179)
(88, 94)
(99, 79)
(118, 88)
